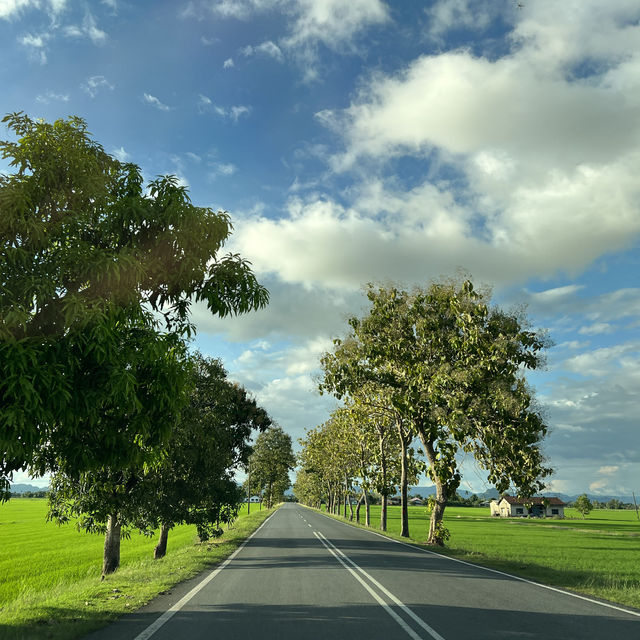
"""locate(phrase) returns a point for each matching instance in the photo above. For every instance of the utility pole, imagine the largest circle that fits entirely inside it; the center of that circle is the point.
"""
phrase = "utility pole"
(636, 504)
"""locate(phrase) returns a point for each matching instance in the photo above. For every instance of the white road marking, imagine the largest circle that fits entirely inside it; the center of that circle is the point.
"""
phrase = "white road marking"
(430, 630)
(374, 595)
(501, 573)
(169, 613)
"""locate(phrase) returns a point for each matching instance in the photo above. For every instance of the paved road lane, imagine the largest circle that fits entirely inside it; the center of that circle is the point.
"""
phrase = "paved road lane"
(303, 575)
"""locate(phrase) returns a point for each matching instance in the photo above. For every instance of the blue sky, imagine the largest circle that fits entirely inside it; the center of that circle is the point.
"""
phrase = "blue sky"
(384, 141)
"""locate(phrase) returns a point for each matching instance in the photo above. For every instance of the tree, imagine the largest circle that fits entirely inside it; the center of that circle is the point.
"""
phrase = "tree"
(583, 505)
(195, 482)
(192, 483)
(451, 367)
(271, 461)
(85, 252)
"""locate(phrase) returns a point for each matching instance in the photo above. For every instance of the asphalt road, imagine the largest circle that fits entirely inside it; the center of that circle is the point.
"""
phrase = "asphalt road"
(306, 576)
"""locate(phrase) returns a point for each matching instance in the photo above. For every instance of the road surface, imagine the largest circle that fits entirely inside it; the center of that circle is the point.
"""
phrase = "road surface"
(306, 576)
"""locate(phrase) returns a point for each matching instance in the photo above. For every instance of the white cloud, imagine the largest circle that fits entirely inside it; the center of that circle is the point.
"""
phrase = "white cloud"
(236, 112)
(222, 169)
(94, 84)
(608, 470)
(155, 102)
(525, 116)
(228, 63)
(267, 48)
(447, 15)
(606, 308)
(50, 96)
(547, 164)
(294, 313)
(239, 9)
(573, 344)
(560, 36)
(605, 361)
(36, 45)
(206, 105)
(88, 29)
(121, 154)
(596, 328)
(12, 8)
(335, 24)
(282, 380)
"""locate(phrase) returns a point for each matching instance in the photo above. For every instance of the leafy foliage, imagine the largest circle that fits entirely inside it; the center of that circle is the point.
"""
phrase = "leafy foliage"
(193, 481)
(271, 461)
(87, 254)
(451, 368)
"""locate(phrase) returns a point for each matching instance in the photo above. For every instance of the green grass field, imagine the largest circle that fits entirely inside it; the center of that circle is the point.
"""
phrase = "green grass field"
(50, 583)
(597, 556)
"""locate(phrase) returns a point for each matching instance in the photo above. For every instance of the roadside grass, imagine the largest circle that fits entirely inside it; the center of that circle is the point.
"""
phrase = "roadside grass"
(50, 583)
(596, 556)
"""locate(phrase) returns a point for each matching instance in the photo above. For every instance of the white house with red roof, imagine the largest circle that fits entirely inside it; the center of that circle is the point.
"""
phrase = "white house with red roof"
(537, 507)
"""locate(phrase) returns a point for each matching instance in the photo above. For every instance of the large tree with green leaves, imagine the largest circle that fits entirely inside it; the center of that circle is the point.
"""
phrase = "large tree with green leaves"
(192, 482)
(90, 259)
(195, 481)
(271, 461)
(452, 368)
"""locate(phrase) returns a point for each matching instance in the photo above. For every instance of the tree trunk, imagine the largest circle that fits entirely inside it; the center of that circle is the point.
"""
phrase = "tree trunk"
(249, 491)
(383, 513)
(358, 509)
(404, 519)
(111, 558)
(161, 548)
(437, 513)
(436, 532)
(383, 467)
(367, 510)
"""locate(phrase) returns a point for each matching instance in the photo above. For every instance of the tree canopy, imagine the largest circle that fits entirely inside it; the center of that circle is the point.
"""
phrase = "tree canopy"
(271, 461)
(192, 482)
(98, 274)
(450, 367)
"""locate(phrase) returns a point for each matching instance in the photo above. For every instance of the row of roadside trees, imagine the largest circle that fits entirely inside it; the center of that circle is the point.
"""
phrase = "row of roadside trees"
(437, 365)
(98, 273)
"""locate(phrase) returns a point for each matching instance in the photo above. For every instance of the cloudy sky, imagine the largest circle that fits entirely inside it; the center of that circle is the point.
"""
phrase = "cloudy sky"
(378, 140)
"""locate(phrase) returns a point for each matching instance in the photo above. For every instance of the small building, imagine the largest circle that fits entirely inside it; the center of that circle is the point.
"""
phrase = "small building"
(416, 501)
(537, 507)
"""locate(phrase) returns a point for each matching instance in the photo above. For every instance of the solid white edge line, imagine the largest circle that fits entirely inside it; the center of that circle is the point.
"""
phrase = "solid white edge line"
(478, 566)
(169, 613)
(430, 630)
(375, 596)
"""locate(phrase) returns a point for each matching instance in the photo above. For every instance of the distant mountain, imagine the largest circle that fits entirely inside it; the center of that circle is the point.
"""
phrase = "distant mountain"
(492, 493)
(23, 488)
(430, 491)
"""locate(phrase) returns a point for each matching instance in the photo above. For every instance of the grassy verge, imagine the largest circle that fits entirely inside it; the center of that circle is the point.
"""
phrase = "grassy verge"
(596, 557)
(51, 585)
